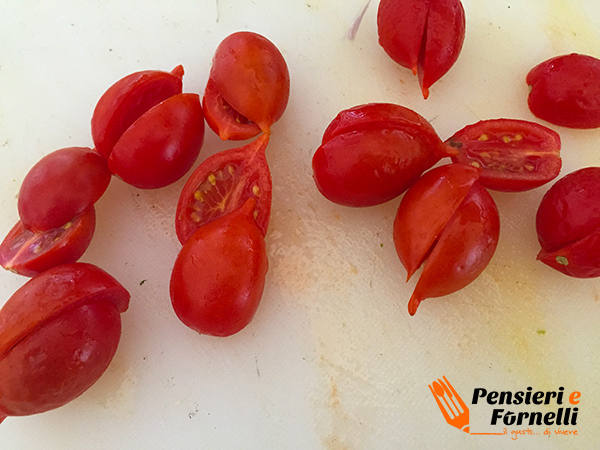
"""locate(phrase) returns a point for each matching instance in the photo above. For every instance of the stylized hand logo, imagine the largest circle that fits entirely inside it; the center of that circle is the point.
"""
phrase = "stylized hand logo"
(455, 415)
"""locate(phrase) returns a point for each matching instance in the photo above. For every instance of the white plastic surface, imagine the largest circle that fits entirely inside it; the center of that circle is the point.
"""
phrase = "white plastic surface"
(332, 360)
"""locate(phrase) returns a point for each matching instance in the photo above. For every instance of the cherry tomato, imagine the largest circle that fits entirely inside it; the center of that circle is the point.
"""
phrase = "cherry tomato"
(514, 155)
(422, 35)
(248, 87)
(58, 334)
(449, 223)
(372, 153)
(60, 186)
(147, 130)
(29, 253)
(222, 183)
(565, 90)
(219, 275)
(568, 224)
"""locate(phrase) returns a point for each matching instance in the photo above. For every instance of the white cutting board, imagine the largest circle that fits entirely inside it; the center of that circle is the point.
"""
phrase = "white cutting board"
(332, 360)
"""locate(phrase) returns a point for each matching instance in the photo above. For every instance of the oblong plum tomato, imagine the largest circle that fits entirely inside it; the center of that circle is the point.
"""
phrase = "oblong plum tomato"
(219, 275)
(127, 100)
(58, 334)
(448, 223)
(60, 186)
(514, 155)
(565, 91)
(30, 253)
(222, 183)
(162, 145)
(248, 87)
(422, 35)
(568, 224)
(372, 153)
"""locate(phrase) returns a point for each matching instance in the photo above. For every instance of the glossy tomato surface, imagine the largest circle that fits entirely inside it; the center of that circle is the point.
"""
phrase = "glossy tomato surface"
(424, 36)
(248, 87)
(568, 224)
(162, 145)
(514, 155)
(450, 224)
(565, 90)
(127, 100)
(222, 183)
(29, 253)
(219, 275)
(372, 153)
(60, 186)
(58, 333)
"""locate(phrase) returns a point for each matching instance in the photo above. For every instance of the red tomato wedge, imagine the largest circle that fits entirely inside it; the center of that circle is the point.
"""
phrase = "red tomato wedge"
(450, 224)
(513, 155)
(222, 183)
(127, 100)
(29, 253)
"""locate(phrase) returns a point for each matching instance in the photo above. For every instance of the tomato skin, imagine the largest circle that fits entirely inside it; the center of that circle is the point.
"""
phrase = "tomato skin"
(421, 35)
(449, 223)
(162, 145)
(239, 173)
(30, 253)
(514, 155)
(70, 315)
(251, 77)
(372, 153)
(127, 100)
(565, 91)
(60, 186)
(219, 275)
(568, 224)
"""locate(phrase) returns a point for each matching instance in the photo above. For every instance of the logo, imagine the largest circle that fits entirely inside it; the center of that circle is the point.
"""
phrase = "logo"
(549, 409)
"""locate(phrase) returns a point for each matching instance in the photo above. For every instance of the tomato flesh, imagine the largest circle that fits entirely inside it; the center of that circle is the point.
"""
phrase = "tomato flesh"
(219, 275)
(221, 184)
(565, 91)
(248, 87)
(30, 253)
(568, 224)
(448, 223)
(514, 155)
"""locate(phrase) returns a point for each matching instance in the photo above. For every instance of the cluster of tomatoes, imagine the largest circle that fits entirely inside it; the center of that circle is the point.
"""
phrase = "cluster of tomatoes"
(447, 221)
(60, 331)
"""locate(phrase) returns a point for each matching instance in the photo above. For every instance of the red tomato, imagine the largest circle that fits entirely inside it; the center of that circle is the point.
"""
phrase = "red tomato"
(514, 155)
(29, 253)
(162, 145)
(58, 333)
(248, 87)
(148, 131)
(565, 90)
(60, 186)
(424, 36)
(222, 183)
(449, 223)
(230, 256)
(372, 153)
(568, 224)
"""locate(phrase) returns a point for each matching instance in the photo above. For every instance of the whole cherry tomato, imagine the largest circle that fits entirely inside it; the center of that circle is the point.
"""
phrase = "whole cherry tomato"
(449, 223)
(514, 155)
(219, 275)
(568, 224)
(60, 186)
(372, 153)
(222, 183)
(58, 334)
(565, 90)
(248, 87)
(147, 130)
(29, 253)
(425, 36)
